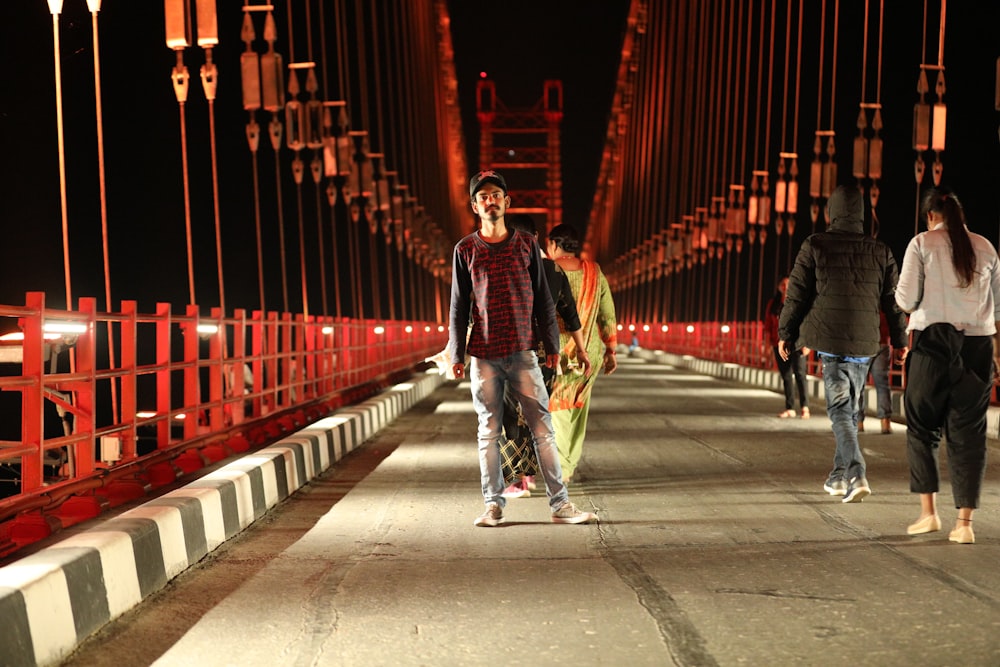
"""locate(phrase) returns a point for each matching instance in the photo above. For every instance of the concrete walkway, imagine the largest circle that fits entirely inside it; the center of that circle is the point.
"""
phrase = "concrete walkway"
(716, 546)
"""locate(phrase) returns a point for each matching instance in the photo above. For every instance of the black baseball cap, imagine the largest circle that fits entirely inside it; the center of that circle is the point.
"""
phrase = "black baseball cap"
(484, 177)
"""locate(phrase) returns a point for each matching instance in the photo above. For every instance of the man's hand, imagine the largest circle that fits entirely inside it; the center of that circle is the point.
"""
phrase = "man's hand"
(458, 370)
(783, 350)
(584, 359)
(899, 355)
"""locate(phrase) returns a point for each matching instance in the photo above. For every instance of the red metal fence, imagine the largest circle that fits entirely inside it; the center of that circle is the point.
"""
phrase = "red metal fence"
(112, 405)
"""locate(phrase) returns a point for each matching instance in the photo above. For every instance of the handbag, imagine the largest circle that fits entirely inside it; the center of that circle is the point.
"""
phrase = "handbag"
(517, 457)
(517, 445)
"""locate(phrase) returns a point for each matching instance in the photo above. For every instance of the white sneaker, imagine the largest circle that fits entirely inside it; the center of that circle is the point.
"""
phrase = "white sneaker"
(568, 513)
(857, 490)
(493, 516)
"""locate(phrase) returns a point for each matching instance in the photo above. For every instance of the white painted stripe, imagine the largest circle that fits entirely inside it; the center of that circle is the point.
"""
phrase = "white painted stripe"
(269, 480)
(170, 525)
(360, 417)
(312, 467)
(325, 458)
(244, 493)
(211, 511)
(339, 447)
(46, 599)
(285, 456)
(121, 578)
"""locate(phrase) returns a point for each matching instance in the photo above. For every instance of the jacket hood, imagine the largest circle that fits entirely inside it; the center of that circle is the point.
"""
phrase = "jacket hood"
(846, 207)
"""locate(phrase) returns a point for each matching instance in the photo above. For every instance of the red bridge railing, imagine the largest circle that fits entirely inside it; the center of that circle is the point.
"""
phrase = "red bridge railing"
(99, 408)
(741, 343)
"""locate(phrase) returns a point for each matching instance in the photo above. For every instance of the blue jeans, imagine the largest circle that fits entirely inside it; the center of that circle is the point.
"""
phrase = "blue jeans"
(844, 381)
(879, 371)
(488, 378)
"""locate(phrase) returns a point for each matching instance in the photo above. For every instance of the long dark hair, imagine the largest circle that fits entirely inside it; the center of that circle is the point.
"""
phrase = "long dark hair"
(944, 202)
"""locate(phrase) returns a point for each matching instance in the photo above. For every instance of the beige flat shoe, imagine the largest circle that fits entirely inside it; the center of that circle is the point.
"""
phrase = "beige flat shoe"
(787, 414)
(962, 535)
(805, 413)
(928, 524)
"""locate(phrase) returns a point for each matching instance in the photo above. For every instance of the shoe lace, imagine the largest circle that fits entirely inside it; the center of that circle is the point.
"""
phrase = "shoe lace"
(567, 509)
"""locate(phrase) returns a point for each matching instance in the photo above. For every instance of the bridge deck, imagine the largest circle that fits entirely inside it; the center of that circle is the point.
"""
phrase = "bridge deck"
(716, 546)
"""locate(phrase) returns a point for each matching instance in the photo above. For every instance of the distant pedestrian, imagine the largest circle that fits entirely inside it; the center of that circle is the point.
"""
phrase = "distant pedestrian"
(840, 281)
(792, 369)
(497, 277)
(878, 369)
(950, 285)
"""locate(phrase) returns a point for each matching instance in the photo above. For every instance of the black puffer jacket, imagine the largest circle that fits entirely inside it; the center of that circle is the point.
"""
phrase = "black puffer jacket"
(840, 282)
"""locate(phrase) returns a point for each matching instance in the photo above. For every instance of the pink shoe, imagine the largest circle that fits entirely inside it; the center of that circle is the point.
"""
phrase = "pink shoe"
(517, 490)
(529, 481)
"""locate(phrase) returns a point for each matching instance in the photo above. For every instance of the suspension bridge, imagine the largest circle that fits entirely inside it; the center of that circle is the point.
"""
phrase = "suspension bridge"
(228, 223)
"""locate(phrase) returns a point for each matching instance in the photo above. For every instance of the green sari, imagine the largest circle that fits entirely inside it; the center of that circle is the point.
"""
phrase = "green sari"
(570, 399)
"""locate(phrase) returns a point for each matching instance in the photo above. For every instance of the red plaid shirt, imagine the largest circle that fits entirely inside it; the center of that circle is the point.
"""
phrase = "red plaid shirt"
(503, 285)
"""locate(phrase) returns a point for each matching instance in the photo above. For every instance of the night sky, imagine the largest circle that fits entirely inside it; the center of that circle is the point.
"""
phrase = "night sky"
(518, 43)
(142, 142)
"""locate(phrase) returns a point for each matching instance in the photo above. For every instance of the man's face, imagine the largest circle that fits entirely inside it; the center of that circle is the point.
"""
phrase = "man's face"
(490, 203)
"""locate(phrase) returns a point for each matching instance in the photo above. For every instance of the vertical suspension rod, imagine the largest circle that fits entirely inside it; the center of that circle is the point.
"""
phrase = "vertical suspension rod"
(55, 7)
(95, 7)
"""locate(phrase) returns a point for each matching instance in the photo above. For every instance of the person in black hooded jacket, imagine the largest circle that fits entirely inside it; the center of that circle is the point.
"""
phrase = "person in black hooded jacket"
(840, 282)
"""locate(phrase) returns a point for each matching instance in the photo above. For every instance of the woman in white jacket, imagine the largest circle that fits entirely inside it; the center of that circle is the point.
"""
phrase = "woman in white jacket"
(950, 285)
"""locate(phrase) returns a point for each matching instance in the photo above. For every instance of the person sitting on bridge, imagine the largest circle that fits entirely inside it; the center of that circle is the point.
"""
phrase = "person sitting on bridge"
(841, 279)
(497, 275)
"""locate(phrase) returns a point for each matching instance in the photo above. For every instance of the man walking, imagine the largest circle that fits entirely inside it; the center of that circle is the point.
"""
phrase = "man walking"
(840, 282)
(497, 276)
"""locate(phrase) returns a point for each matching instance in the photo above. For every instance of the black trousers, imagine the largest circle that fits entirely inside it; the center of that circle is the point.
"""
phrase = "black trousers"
(794, 368)
(949, 381)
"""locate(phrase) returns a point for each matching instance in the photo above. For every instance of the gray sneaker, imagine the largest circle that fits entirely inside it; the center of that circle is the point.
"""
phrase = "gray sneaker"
(857, 490)
(835, 487)
(568, 513)
(493, 516)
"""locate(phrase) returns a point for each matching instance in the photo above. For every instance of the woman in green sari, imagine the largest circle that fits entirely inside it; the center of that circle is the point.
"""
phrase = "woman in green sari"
(569, 402)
